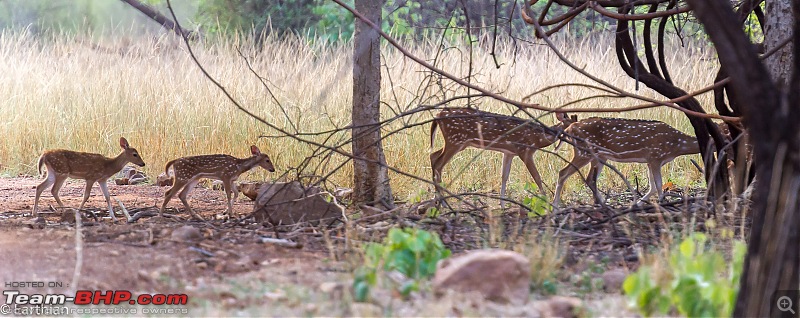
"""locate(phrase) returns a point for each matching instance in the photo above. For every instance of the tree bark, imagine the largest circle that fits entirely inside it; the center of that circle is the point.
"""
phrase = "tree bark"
(370, 173)
(773, 258)
(778, 26)
(166, 22)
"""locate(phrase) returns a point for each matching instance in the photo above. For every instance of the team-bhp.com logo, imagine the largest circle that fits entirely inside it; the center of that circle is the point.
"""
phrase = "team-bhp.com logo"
(22, 304)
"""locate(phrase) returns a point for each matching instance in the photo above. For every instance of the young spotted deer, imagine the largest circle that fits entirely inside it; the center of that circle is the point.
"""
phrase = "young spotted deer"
(62, 164)
(597, 140)
(512, 136)
(189, 171)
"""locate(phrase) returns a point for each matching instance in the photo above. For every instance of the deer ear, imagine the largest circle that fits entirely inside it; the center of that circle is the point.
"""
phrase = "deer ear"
(561, 116)
(574, 118)
(254, 150)
(123, 143)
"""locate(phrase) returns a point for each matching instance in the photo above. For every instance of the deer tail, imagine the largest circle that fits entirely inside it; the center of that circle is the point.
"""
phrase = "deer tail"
(40, 163)
(166, 168)
(434, 125)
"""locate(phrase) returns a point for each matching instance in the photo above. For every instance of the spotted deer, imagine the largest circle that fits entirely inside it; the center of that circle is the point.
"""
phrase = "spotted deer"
(62, 164)
(512, 136)
(189, 171)
(597, 140)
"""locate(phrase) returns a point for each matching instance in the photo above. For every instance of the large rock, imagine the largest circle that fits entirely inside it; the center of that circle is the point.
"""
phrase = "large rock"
(250, 189)
(499, 275)
(286, 203)
(164, 180)
(129, 175)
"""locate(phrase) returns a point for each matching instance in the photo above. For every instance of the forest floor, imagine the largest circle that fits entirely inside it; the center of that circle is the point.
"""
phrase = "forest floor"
(228, 270)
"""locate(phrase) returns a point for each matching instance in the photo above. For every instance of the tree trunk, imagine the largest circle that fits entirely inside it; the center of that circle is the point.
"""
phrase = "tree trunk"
(773, 258)
(778, 27)
(370, 173)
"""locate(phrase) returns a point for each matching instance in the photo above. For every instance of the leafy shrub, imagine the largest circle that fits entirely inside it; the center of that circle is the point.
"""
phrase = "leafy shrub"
(411, 252)
(698, 283)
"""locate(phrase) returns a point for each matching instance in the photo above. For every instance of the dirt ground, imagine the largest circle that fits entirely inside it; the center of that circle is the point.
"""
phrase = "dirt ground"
(227, 271)
(144, 257)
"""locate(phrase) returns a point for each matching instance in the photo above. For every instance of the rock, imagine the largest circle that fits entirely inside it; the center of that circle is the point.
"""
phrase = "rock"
(36, 223)
(498, 275)
(563, 307)
(164, 180)
(343, 193)
(330, 287)
(250, 189)
(286, 203)
(613, 279)
(129, 175)
(365, 310)
(187, 233)
(334, 290)
(276, 295)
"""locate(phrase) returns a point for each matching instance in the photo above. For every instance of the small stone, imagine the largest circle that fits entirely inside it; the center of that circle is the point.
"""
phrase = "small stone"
(565, 307)
(365, 310)
(164, 180)
(613, 279)
(201, 265)
(328, 287)
(37, 223)
(278, 294)
(187, 233)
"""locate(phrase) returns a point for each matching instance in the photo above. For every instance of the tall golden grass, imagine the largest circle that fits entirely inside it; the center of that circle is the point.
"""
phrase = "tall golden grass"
(83, 94)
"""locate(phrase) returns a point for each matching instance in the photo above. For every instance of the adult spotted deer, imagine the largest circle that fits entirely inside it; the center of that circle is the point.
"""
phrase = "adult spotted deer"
(62, 164)
(189, 171)
(512, 136)
(597, 140)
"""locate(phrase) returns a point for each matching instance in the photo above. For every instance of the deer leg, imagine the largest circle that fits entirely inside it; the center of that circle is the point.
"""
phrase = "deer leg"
(507, 159)
(176, 186)
(531, 165)
(235, 190)
(57, 187)
(439, 159)
(185, 193)
(574, 166)
(654, 172)
(86, 192)
(104, 188)
(434, 159)
(228, 189)
(591, 180)
(658, 182)
(41, 187)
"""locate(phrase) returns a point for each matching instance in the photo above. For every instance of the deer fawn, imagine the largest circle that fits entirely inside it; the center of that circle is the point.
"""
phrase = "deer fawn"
(466, 127)
(597, 140)
(91, 167)
(189, 171)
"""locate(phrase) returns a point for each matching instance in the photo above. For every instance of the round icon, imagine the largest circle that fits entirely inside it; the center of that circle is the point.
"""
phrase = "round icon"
(785, 304)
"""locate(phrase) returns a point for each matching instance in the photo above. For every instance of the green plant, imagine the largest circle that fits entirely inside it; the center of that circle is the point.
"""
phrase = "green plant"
(411, 252)
(539, 205)
(694, 284)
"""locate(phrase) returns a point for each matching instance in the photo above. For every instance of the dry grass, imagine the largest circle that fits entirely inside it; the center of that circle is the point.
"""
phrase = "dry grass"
(68, 93)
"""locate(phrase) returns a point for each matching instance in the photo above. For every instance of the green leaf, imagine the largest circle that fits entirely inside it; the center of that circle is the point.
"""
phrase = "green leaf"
(408, 287)
(361, 291)
(687, 248)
